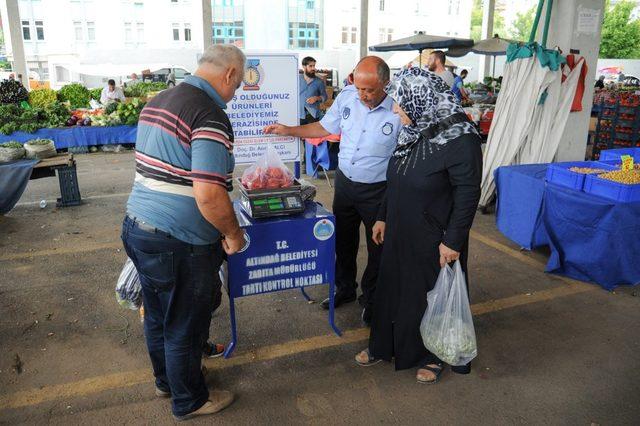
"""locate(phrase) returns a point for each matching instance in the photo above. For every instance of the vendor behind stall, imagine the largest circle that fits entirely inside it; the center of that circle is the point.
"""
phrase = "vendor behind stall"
(111, 93)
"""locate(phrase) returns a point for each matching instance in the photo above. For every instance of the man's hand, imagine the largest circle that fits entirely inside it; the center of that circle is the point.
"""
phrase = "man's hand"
(312, 100)
(447, 255)
(233, 243)
(378, 232)
(276, 129)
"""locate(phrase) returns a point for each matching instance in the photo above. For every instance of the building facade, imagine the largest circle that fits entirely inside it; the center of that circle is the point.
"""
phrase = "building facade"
(92, 40)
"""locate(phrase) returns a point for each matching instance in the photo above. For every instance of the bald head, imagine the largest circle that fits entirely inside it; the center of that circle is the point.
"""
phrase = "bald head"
(373, 65)
(222, 65)
(370, 77)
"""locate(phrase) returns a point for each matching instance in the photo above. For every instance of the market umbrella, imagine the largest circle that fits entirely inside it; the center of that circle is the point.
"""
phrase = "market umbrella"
(532, 109)
(421, 41)
(494, 46)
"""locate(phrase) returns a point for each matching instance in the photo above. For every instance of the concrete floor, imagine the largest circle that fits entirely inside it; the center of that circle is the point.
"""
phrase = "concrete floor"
(551, 350)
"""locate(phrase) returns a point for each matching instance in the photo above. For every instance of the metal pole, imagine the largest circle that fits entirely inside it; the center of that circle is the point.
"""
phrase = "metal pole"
(17, 46)
(364, 27)
(488, 10)
(207, 24)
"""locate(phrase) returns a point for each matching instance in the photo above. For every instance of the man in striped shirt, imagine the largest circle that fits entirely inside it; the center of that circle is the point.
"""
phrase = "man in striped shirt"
(180, 219)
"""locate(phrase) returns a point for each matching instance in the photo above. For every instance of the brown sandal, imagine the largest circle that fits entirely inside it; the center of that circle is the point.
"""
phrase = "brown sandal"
(365, 359)
(436, 370)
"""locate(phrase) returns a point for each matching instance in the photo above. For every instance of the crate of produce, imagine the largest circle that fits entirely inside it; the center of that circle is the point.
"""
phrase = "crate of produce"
(615, 154)
(615, 190)
(572, 174)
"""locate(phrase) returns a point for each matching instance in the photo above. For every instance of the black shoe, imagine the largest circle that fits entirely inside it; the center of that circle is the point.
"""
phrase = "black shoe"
(339, 299)
(367, 314)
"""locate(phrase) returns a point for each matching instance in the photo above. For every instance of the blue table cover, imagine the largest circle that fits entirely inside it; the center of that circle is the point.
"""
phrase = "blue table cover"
(14, 177)
(70, 137)
(519, 204)
(591, 238)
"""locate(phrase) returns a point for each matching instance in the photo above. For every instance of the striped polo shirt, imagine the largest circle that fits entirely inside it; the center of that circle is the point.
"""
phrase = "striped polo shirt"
(183, 136)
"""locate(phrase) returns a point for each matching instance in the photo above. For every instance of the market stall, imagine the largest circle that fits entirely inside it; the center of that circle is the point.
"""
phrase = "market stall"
(591, 224)
(78, 136)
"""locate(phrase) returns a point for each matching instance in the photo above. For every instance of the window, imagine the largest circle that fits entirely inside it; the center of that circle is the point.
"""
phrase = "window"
(349, 35)
(187, 32)
(310, 4)
(77, 29)
(39, 30)
(454, 6)
(381, 5)
(226, 3)
(176, 32)
(229, 32)
(307, 35)
(91, 31)
(140, 32)
(26, 31)
(180, 73)
(386, 34)
(128, 32)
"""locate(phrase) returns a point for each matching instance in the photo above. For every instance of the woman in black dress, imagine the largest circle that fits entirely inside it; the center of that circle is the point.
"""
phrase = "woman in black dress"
(433, 188)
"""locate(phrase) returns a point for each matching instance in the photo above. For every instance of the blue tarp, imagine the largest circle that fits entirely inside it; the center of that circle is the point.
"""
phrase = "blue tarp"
(78, 136)
(14, 177)
(591, 238)
(519, 206)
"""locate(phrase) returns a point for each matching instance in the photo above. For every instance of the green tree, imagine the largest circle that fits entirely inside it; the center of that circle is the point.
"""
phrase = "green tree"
(521, 26)
(476, 22)
(620, 33)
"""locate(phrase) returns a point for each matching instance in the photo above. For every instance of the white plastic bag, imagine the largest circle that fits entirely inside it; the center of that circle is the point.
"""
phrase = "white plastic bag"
(128, 288)
(447, 326)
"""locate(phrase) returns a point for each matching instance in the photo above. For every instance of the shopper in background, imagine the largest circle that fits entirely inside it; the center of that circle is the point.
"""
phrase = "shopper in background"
(111, 93)
(313, 92)
(180, 219)
(600, 82)
(435, 64)
(458, 86)
(363, 114)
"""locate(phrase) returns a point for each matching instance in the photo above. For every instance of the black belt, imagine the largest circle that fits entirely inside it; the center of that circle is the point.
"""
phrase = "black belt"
(433, 130)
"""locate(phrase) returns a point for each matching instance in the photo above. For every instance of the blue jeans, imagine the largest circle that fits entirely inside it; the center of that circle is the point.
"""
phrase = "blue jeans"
(180, 290)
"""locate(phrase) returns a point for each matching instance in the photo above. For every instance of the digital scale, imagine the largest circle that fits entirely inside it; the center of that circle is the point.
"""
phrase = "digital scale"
(260, 203)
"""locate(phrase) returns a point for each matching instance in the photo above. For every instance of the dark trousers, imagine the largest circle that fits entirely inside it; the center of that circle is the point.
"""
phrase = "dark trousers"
(355, 203)
(180, 291)
(308, 119)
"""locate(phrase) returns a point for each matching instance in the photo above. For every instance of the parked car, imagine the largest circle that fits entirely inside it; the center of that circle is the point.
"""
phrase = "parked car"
(171, 76)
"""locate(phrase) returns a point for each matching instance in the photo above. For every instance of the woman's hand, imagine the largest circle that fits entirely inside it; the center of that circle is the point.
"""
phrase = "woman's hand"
(378, 232)
(447, 255)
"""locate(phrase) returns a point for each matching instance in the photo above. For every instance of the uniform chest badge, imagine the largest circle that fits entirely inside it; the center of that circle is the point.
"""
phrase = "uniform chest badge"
(387, 129)
(346, 112)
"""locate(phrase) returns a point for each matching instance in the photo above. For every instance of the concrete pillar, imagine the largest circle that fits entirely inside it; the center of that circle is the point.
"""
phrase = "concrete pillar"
(15, 42)
(484, 62)
(207, 22)
(364, 27)
(566, 33)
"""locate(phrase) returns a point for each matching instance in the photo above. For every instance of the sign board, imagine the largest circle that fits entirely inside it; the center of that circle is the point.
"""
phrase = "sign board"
(268, 94)
(284, 253)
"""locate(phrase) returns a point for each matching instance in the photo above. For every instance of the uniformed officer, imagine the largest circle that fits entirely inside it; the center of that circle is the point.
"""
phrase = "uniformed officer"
(364, 115)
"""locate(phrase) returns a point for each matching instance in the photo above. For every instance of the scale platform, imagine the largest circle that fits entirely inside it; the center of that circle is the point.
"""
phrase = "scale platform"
(260, 203)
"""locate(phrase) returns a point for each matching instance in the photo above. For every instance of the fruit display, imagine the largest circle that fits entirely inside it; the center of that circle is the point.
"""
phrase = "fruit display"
(629, 177)
(586, 170)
